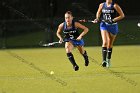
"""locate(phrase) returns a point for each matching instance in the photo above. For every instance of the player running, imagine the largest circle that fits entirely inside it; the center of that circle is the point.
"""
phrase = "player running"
(109, 13)
(72, 38)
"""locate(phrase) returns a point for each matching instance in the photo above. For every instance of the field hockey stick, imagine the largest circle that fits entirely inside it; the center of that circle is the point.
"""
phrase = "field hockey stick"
(95, 21)
(92, 21)
(49, 44)
(84, 20)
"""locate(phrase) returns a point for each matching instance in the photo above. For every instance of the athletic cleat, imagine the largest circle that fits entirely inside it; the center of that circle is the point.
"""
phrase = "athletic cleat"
(104, 64)
(76, 67)
(108, 63)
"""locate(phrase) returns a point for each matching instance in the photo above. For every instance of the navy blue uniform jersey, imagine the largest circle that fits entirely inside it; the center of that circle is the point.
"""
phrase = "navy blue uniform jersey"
(71, 35)
(71, 32)
(108, 13)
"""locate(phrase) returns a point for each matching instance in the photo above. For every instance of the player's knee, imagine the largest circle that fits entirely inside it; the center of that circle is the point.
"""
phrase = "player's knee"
(68, 48)
(104, 44)
(110, 45)
(68, 51)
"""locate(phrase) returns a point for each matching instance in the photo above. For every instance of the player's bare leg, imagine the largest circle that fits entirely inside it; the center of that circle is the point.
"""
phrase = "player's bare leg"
(84, 53)
(110, 40)
(69, 46)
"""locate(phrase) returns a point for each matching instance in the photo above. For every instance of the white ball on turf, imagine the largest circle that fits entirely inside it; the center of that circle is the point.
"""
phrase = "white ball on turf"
(51, 72)
(138, 24)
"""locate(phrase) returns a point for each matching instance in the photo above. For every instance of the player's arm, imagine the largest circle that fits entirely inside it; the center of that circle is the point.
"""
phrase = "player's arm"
(58, 33)
(85, 30)
(98, 14)
(120, 12)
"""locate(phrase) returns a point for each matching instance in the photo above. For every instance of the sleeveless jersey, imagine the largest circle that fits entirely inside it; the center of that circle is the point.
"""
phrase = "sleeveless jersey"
(108, 13)
(72, 32)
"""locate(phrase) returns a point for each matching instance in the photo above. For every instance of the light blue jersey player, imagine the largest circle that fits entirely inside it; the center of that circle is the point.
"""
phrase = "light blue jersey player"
(73, 38)
(108, 14)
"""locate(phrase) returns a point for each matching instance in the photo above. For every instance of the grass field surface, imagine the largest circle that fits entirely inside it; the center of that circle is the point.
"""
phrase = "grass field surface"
(28, 71)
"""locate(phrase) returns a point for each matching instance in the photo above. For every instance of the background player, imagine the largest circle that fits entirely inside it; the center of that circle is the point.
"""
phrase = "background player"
(72, 38)
(109, 13)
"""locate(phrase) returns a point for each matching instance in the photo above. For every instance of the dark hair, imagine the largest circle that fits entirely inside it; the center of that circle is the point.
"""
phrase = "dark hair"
(114, 1)
(69, 12)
